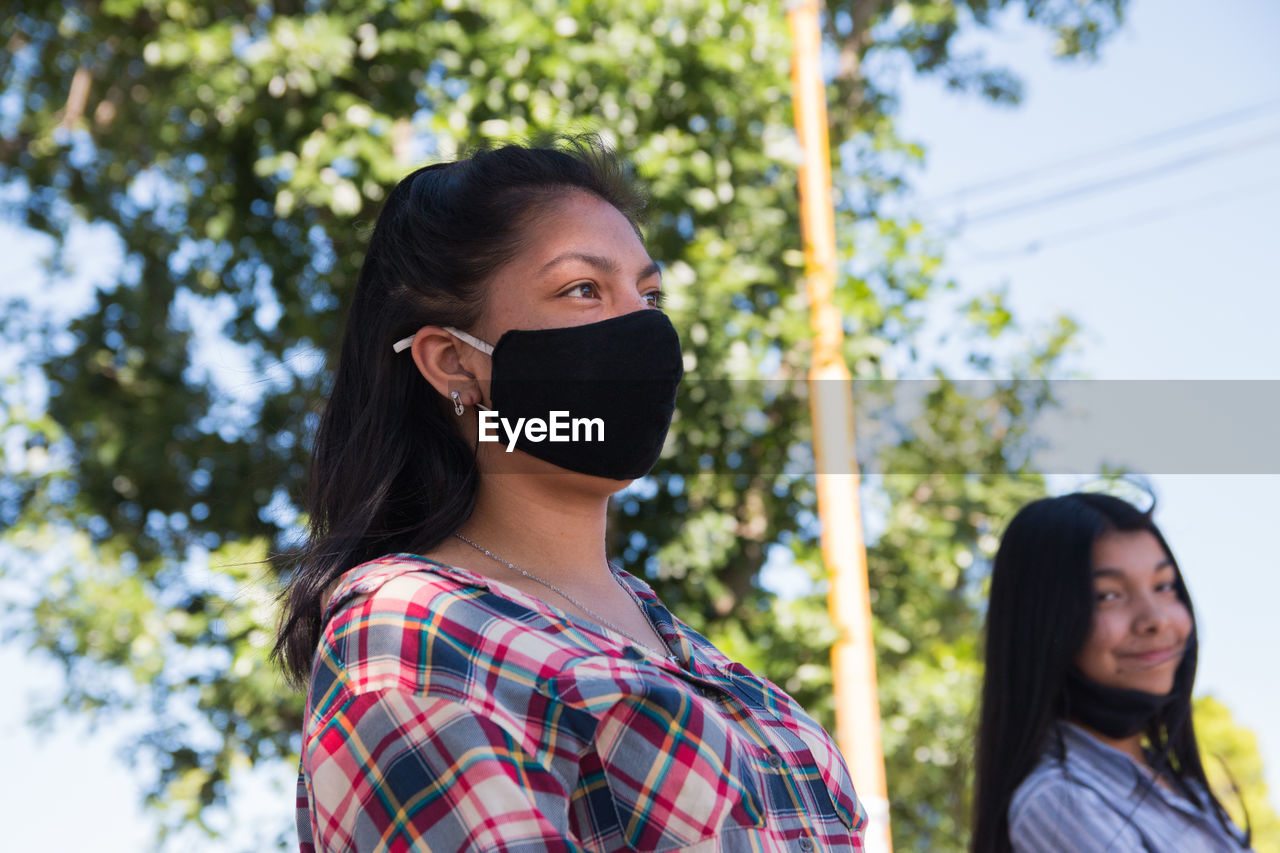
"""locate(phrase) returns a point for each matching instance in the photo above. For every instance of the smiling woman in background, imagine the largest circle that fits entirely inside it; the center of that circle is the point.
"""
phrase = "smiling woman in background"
(1086, 742)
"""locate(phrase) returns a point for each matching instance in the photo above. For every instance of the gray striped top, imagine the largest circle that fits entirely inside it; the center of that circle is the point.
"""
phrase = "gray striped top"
(1100, 799)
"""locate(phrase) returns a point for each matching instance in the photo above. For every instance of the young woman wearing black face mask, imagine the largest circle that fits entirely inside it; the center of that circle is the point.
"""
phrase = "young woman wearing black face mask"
(1086, 742)
(479, 676)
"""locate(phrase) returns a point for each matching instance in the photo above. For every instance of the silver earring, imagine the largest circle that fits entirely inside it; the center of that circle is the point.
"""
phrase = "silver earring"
(457, 403)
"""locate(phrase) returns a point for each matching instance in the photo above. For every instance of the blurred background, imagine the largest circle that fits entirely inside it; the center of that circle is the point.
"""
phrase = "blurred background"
(1031, 193)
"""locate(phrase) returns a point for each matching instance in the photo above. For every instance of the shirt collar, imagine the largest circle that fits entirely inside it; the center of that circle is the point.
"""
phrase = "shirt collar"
(660, 616)
(1119, 770)
(368, 577)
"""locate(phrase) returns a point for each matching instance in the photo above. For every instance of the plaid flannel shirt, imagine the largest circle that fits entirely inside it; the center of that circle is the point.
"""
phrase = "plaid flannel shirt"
(451, 712)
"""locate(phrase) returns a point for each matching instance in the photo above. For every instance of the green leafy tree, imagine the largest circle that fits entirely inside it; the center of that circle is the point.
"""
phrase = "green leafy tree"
(1234, 767)
(238, 153)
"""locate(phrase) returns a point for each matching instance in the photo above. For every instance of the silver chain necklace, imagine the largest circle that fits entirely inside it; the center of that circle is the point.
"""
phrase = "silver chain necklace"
(558, 591)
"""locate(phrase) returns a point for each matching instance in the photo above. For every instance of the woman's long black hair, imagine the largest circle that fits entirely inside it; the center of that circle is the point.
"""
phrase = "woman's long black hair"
(390, 471)
(1039, 616)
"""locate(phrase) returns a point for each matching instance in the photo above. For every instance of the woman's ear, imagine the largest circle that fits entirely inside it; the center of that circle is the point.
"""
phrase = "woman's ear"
(450, 365)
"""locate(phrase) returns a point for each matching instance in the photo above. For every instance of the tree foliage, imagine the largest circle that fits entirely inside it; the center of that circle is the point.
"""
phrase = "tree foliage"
(239, 153)
(1234, 769)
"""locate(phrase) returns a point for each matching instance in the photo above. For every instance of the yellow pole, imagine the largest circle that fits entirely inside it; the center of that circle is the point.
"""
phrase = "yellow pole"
(831, 409)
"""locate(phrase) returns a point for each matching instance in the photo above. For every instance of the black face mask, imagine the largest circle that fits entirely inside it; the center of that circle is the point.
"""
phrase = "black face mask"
(616, 379)
(1117, 712)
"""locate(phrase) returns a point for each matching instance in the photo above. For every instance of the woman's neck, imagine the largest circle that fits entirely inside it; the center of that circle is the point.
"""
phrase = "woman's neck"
(542, 524)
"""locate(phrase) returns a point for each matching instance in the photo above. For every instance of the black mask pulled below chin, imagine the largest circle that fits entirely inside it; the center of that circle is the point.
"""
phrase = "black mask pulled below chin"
(622, 373)
(1116, 712)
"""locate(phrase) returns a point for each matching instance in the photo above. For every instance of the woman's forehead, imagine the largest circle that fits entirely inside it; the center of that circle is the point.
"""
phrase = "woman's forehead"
(1129, 551)
(583, 225)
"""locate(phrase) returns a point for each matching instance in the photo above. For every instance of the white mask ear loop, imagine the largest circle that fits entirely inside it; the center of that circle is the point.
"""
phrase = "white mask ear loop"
(470, 339)
(404, 343)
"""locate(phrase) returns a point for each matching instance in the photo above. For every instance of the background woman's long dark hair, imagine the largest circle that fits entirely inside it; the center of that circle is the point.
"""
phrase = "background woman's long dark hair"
(390, 471)
(1039, 616)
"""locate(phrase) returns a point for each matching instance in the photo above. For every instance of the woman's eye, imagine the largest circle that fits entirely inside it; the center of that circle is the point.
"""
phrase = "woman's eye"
(583, 289)
(1167, 587)
(655, 298)
(1102, 596)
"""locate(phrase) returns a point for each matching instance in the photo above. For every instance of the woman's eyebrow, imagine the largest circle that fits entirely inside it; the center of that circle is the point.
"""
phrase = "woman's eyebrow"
(606, 265)
(1103, 571)
(601, 263)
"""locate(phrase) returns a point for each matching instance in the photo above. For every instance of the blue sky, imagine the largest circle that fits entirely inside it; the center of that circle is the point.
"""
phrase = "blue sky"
(1164, 255)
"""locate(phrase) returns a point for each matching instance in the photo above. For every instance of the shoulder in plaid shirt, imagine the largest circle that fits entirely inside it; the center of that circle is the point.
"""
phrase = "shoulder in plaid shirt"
(449, 712)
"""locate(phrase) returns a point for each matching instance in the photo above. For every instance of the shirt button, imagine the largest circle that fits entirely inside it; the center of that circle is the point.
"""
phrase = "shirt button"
(805, 843)
(775, 761)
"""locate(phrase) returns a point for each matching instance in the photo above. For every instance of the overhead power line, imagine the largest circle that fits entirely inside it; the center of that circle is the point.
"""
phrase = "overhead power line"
(1133, 220)
(1125, 179)
(1188, 129)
